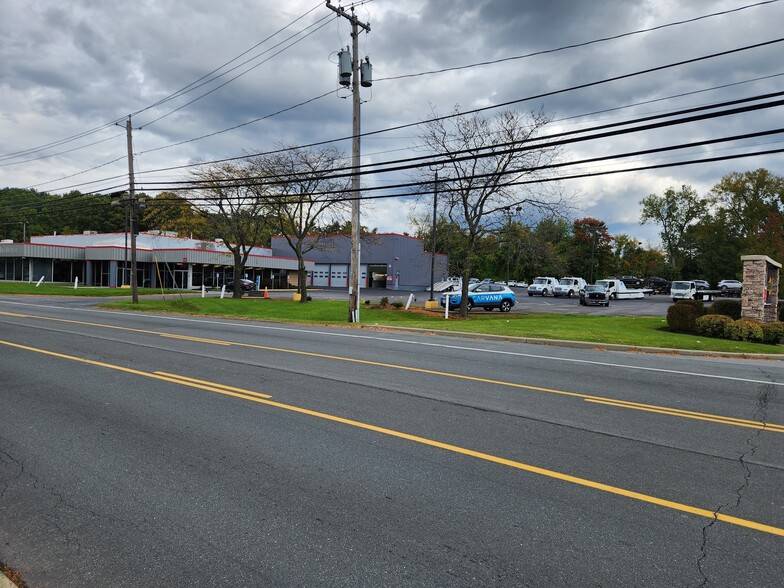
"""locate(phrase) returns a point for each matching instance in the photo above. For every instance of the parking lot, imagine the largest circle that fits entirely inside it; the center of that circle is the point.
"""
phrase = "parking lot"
(651, 305)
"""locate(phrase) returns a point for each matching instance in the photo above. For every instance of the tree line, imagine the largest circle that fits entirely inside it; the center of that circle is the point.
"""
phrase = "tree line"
(498, 213)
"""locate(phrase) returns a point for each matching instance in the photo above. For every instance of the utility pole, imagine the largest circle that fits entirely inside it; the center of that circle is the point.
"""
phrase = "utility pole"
(354, 271)
(132, 212)
(433, 251)
(509, 237)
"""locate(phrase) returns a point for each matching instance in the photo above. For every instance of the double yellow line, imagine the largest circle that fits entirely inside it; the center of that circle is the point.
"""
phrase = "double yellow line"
(689, 414)
(164, 376)
(265, 399)
(605, 401)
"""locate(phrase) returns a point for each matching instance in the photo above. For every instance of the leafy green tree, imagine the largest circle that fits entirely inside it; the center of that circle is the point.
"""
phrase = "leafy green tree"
(674, 211)
(478, 189)
(235, 212)
(304, 199)
(747, 199)
(591, 252)
(170, 212)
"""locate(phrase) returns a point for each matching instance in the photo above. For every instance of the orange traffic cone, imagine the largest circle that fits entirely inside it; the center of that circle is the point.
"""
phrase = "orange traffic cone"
(266, 294)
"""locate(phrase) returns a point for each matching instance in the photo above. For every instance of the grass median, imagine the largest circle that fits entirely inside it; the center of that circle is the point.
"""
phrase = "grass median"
(31, 289)
(624, 330)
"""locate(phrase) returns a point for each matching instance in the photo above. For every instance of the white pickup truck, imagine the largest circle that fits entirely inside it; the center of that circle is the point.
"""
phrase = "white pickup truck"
(618, 290)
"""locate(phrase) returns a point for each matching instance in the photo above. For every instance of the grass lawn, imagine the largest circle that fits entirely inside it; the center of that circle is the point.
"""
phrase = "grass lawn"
(68, 290)
(625, 330)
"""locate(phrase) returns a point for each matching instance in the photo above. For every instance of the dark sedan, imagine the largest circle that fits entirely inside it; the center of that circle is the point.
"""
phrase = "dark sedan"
(630, 281)
(659, 285)
(245, 285)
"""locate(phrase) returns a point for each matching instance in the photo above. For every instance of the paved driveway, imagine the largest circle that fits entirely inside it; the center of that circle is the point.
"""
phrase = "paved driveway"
(655, 305)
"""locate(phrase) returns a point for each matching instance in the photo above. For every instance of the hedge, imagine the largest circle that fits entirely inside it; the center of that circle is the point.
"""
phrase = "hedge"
(681, 317)
(745, 330)
(712, 325)
(730, 308)
(698, 305)
(773, 332)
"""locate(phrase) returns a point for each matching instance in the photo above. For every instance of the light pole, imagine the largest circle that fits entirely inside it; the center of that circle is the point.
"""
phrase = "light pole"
(509, 237)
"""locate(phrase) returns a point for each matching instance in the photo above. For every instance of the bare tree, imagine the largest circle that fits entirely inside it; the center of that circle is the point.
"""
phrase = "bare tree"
(235, 212)
(302, 197)
(485, 162)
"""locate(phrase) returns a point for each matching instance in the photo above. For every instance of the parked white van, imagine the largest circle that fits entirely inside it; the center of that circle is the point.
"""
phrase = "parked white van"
(543, 286)
(569, 287)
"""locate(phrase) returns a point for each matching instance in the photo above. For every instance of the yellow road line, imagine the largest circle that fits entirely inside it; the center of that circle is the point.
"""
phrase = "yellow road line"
(197, 339)
(193, 383)
(693, 415)
(678, 506)
(719, 419)
(221, 386)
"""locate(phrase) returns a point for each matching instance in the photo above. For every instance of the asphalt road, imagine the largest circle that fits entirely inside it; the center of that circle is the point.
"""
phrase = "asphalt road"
(177, 451)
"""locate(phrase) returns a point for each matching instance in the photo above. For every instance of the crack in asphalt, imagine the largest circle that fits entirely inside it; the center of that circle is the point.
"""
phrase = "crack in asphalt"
(761, 415)
(5, 455)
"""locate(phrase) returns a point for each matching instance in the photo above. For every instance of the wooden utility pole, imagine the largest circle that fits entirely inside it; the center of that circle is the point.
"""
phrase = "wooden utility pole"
(354, 270)
(132, 212)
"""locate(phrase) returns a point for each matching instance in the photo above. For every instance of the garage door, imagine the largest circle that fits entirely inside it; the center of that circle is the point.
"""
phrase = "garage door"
(320, 275)
(339, 275)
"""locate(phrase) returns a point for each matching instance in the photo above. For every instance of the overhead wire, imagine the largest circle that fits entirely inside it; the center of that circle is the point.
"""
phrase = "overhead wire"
(612, 79)
(486, 108)
(577, 45)
(181, 91)
(191, 86)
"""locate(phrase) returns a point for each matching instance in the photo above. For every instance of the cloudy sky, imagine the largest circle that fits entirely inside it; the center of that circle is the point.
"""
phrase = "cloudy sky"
(70, 70)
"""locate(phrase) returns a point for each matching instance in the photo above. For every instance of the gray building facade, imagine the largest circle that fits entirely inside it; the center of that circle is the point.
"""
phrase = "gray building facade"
(388, 260)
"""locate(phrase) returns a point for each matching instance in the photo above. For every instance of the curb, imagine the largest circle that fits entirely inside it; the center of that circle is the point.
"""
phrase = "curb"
(581, 344)
(5, 582)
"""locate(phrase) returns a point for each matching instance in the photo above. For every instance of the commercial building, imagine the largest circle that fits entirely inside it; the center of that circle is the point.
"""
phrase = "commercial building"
(387, 260)
(163, 260)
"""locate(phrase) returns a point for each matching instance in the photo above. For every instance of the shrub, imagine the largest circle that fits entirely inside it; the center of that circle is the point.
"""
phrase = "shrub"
(398, 304)
(681, 317)
(781, 311)
(773, 332)
(744, 330)
(698, 305)
(712, 325)
(367, 301)
(727, 307)
(384, 301)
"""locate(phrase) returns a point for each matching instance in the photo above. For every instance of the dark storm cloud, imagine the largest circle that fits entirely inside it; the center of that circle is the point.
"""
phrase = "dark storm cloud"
(68, 67)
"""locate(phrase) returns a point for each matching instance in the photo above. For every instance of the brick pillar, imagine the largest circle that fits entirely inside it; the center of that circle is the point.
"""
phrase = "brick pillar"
(760, 288)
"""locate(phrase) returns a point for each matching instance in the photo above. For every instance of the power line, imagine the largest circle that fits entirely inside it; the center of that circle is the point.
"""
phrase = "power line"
(193, 85)
(179, 92)
(240, 74)
(552, 140)
(576, 45)
(486, 108)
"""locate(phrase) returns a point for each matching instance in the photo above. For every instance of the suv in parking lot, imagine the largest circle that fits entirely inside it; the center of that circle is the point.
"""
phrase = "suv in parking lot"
(488, 295)
(730, 287)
